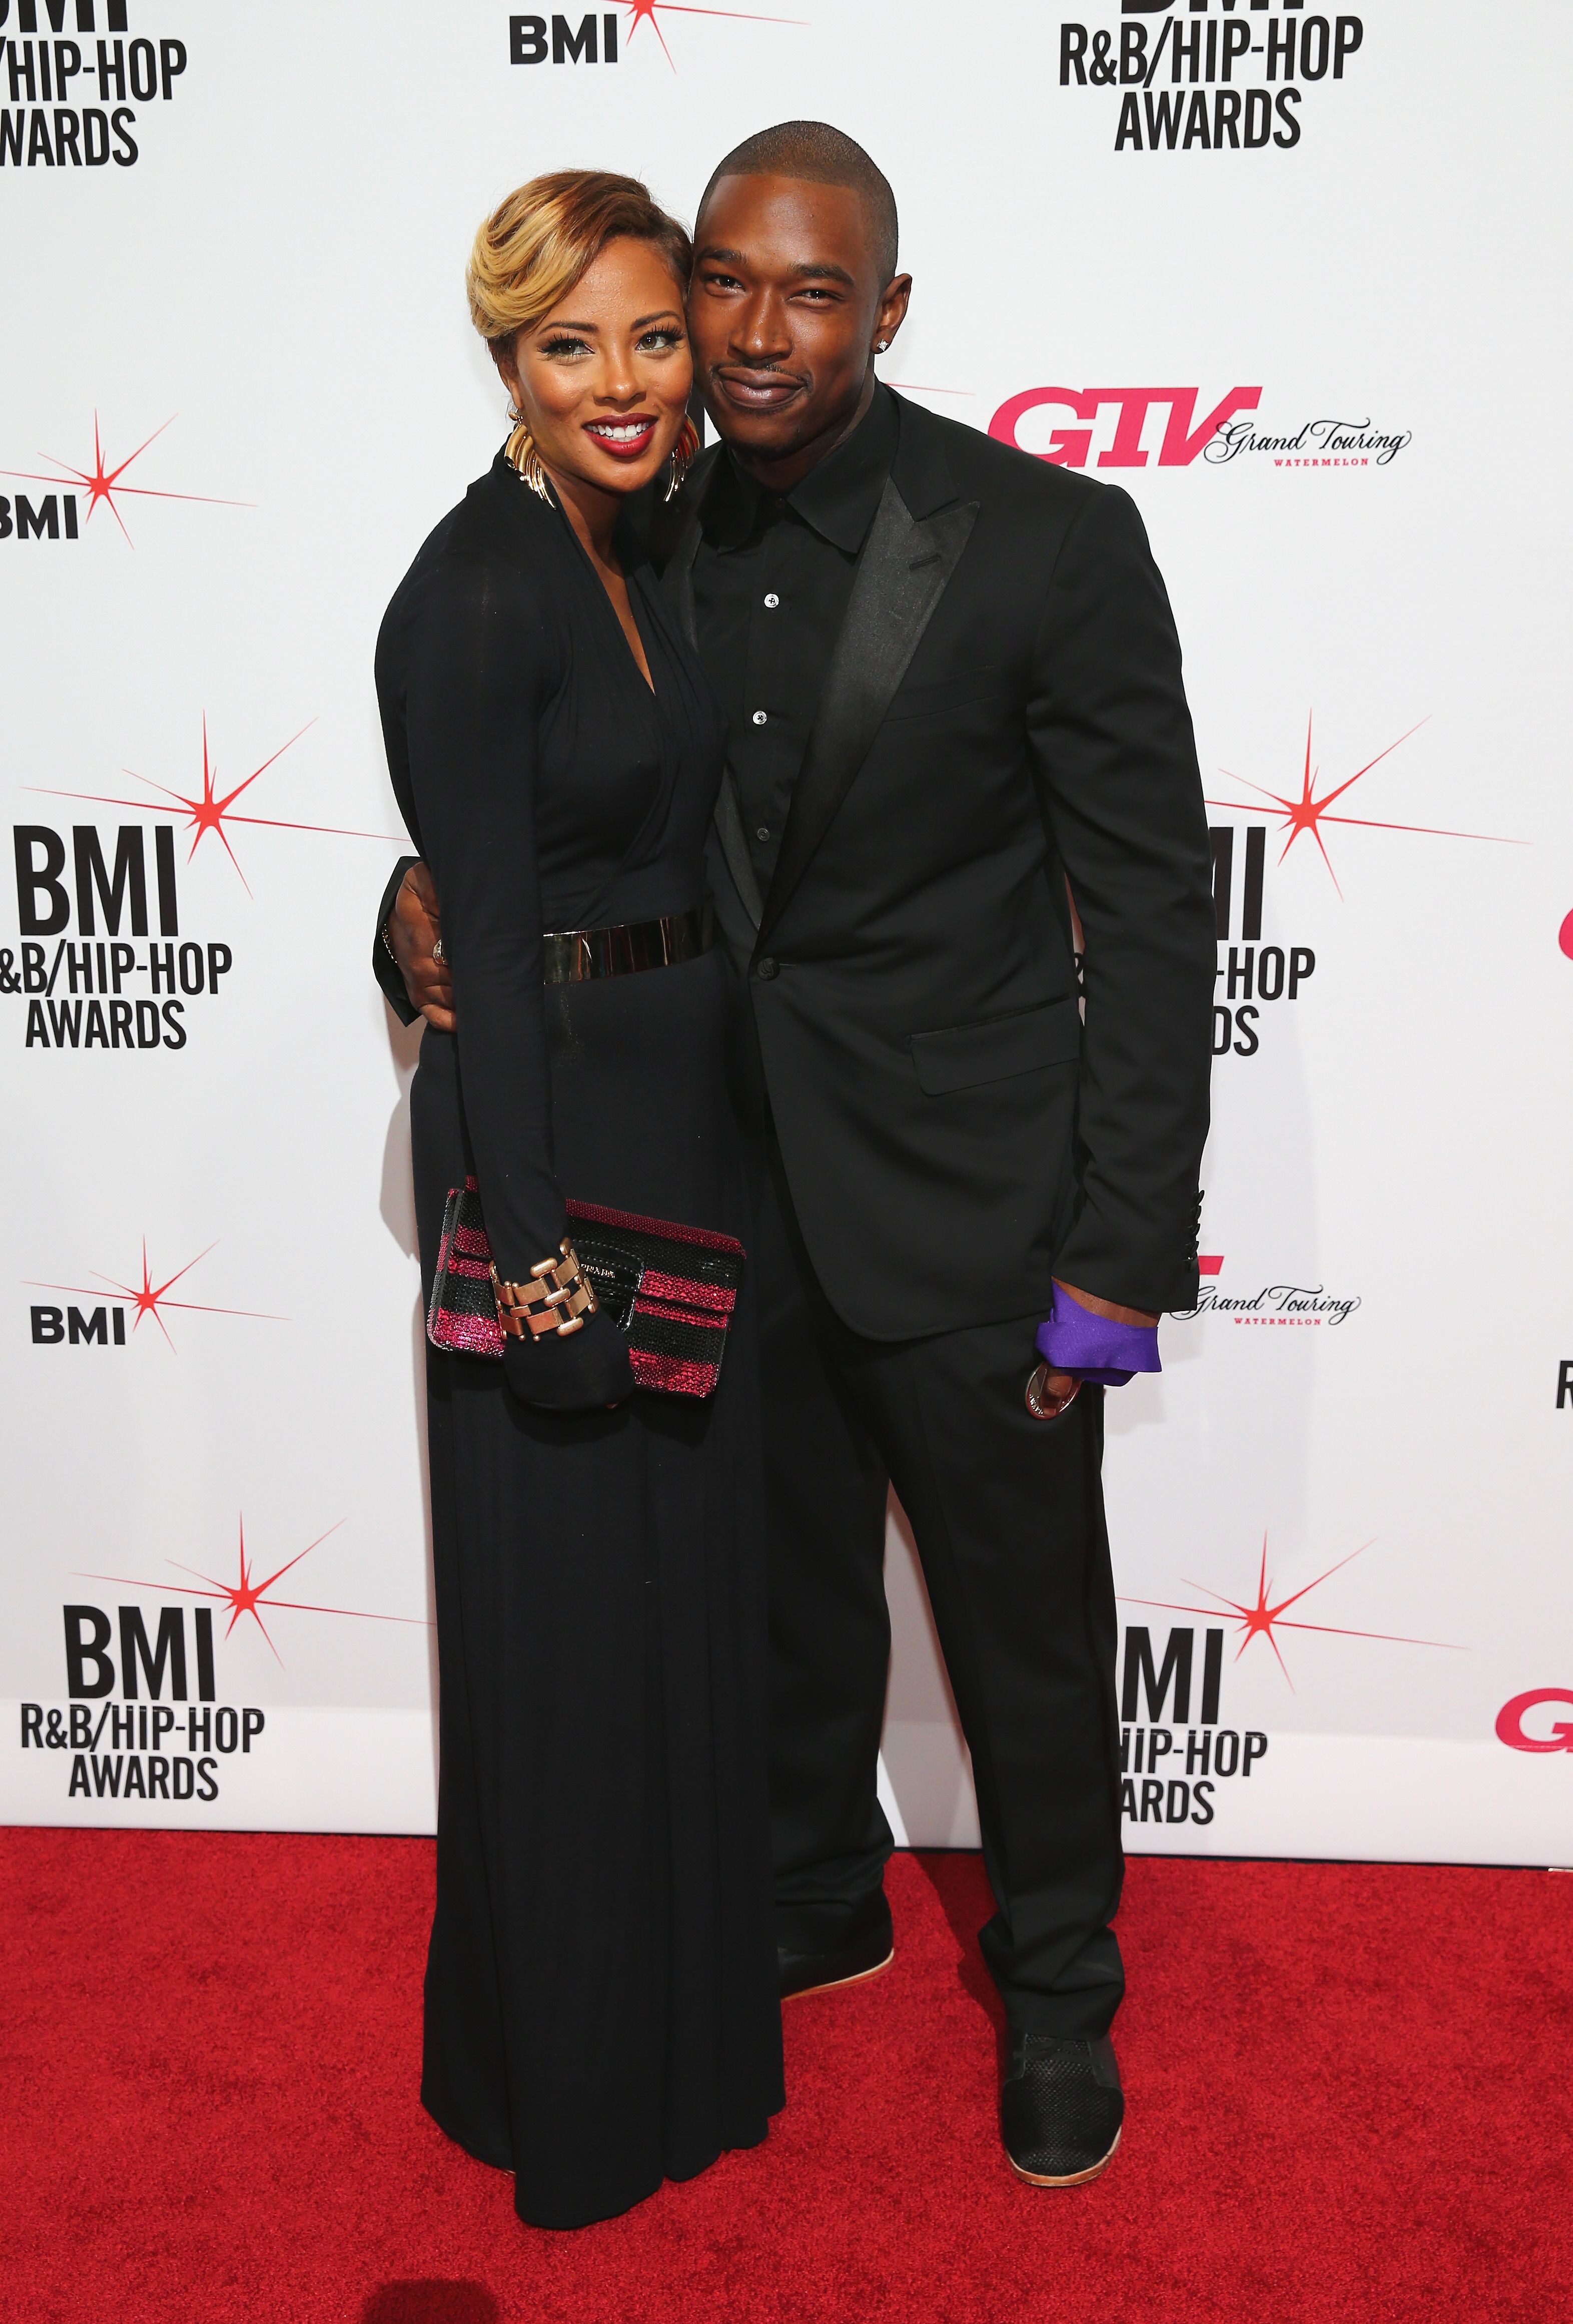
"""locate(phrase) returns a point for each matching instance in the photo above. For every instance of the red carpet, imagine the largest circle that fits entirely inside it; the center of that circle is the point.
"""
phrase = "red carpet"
(1350, 2096)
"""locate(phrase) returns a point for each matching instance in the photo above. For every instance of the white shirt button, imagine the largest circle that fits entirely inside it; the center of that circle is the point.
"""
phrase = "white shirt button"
(771, 599)
(759, 719)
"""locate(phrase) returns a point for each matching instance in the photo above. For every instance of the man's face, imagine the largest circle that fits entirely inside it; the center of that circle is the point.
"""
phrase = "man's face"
(786, 304)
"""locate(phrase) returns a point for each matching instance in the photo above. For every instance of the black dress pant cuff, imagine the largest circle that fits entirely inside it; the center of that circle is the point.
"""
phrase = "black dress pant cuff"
(1066, 2016)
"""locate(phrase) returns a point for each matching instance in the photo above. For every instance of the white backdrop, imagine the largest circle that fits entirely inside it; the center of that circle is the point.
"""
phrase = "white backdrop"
(1319, 337)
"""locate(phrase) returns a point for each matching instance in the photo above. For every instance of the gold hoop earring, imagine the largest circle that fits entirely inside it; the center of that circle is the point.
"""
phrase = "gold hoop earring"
(520, 452)
(682, 459)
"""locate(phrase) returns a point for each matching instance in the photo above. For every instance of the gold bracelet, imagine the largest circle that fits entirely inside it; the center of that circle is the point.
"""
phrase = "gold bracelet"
(557, 1298)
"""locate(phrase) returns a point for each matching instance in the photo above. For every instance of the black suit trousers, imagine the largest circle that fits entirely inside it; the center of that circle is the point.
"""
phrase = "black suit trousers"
(1007, 1516)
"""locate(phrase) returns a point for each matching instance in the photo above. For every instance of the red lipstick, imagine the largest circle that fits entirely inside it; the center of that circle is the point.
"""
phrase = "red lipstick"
(634, 434)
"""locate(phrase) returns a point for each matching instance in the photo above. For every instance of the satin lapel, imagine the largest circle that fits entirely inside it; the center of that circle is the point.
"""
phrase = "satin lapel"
(906, 563)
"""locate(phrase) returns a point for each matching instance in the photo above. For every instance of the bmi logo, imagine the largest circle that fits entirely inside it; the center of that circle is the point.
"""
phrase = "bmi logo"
(1252, 976)
(95, 894)
(1158, 1786)
(1152, 1789)
(49, 123)
(84, 992)
(103, 1325)
(1212, 87)
(142, 1746)
(130, 1749)
(1257, 973)
(597, 38)
(76, 495)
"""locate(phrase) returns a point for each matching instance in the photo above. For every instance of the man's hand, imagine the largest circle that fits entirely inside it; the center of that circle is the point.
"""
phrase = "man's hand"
(1088, 1299)
(414, 931)
(1055, 1390)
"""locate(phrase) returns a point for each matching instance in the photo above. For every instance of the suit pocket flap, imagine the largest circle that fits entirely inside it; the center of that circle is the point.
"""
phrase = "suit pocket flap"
(962, 1056)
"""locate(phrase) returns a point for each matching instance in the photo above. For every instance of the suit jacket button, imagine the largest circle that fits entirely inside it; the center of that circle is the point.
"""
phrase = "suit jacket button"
(767, 967)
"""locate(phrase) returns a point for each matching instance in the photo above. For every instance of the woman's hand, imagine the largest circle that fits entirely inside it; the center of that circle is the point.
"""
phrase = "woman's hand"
(588, 1372)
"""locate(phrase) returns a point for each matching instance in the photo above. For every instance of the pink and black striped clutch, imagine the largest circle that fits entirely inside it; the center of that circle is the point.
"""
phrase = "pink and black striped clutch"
(671, 1288)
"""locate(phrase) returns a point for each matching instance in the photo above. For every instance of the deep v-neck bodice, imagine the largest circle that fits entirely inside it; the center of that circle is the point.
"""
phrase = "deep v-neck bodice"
(622, 539)
(621, 770)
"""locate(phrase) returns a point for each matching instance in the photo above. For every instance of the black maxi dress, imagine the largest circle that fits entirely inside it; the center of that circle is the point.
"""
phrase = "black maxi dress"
(600, 2006)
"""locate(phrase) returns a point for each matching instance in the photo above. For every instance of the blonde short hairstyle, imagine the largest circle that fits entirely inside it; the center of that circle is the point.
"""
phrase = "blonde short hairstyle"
(540, 241)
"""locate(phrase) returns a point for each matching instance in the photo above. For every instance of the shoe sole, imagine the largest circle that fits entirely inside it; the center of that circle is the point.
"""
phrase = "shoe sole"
(1071, 2179)
(836, 1984)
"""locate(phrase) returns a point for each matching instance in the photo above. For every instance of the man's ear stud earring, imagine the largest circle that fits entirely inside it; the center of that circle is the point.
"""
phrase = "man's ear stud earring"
(880, 345)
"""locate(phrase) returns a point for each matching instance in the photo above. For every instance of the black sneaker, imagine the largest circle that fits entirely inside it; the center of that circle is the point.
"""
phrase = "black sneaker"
(846, 1950)
(1061, 2108)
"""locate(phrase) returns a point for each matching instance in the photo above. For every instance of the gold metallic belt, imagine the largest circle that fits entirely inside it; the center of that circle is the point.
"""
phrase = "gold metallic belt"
(573, 955)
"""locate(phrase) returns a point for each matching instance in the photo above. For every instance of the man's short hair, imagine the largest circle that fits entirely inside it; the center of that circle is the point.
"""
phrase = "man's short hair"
(826, 157)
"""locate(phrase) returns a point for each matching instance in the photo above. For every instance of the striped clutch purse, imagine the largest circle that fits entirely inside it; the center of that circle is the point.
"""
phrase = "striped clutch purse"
(671, 1288)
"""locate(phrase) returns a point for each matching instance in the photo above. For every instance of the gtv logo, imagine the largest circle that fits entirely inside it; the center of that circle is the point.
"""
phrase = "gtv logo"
(1510, 1721)
(1070, 448)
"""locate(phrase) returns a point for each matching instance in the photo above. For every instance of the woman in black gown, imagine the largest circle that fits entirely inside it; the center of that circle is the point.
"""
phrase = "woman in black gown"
(599, 1994)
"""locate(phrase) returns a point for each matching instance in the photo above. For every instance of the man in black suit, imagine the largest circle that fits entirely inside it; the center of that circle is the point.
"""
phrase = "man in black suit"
(955, 704)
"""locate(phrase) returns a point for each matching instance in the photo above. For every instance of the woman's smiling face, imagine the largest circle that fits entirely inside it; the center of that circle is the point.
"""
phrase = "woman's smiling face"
(602, 381)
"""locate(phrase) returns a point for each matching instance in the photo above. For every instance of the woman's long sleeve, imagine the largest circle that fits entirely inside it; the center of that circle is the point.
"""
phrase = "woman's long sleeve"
(476, 671)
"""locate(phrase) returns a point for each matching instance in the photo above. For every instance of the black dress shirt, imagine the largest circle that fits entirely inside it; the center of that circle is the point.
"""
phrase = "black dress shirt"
(772, 575)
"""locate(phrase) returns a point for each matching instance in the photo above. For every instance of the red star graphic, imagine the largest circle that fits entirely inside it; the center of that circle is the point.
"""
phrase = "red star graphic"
(148, 1297)
(102, 484)
(208, 812)
(641, 11)
(244, 1596)
(1263, 1620)
(1308, 813)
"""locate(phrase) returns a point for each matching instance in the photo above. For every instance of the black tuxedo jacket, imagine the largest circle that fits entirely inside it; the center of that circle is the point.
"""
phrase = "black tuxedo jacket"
(1004, 709)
